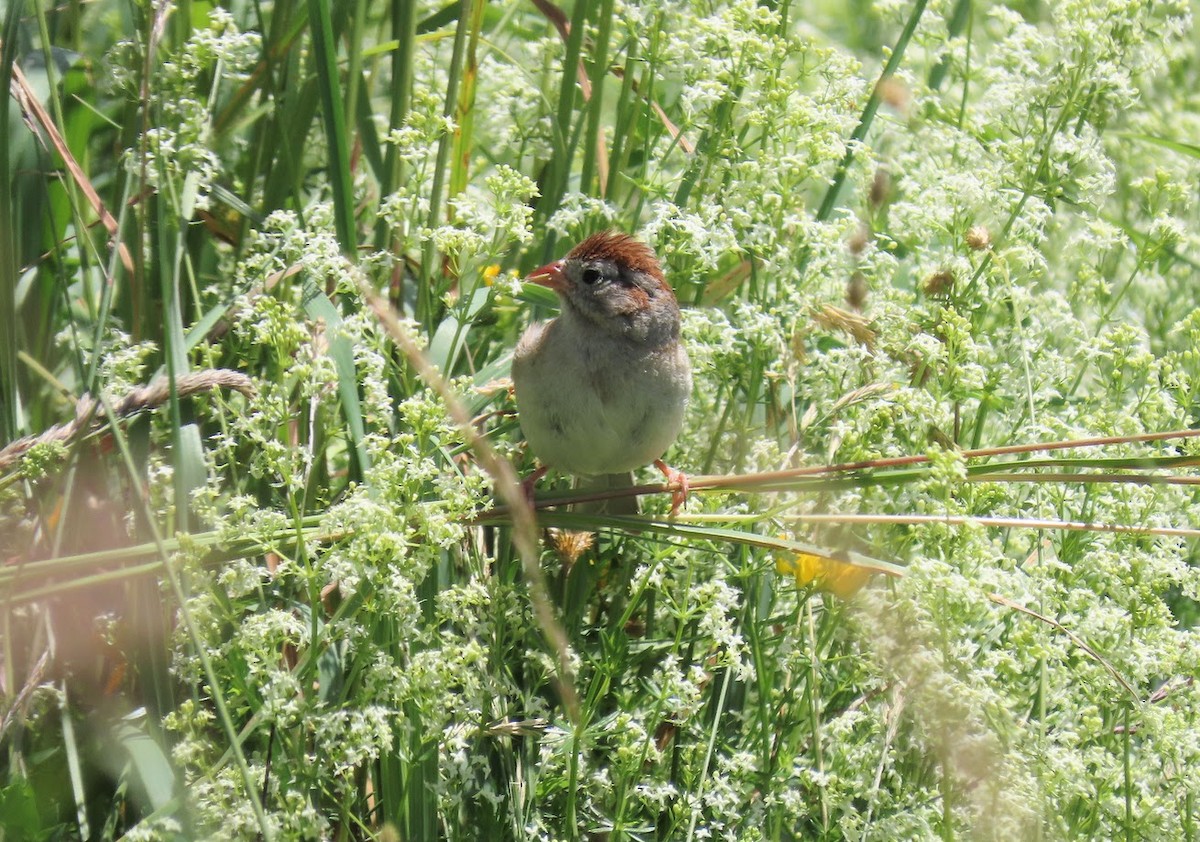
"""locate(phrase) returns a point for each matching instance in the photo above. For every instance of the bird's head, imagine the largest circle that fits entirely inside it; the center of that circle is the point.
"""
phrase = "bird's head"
(616, 283)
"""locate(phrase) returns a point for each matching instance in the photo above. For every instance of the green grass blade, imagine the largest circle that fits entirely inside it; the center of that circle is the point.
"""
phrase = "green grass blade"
(319, 308)
(464, 112)
(334, 114)
(403, 18)
(1189, 149)
(559, 168)
(148, 761)
(74, 764)
(431, 270)
(9, 337)
(628, 110)
(368, 137)
(595, 104)
(868, 116)
(959, 16)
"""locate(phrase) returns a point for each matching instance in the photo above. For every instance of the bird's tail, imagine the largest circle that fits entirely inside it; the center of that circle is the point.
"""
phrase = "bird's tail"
(625, 505)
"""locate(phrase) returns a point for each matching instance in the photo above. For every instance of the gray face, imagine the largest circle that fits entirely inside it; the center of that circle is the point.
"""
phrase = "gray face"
(619, 300)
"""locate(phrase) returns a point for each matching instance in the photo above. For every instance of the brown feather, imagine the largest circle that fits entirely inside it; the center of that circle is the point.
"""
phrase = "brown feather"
(619, 248)
(635, 299)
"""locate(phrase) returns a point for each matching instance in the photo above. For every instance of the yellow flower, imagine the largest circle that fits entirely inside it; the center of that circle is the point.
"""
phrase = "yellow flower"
(839, 578)
(490, 273)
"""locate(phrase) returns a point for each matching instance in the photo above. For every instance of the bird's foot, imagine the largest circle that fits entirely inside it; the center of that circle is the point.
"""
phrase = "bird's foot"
(677, 483)
(527, 484)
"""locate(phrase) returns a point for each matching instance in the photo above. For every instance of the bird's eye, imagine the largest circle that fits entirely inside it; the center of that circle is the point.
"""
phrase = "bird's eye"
(591, 276)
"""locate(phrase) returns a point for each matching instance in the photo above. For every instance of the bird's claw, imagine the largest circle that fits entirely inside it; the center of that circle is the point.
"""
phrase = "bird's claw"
(677, 483)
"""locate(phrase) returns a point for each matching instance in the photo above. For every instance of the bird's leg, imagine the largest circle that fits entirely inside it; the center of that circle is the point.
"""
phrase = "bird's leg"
(530, 481)
(677, 482)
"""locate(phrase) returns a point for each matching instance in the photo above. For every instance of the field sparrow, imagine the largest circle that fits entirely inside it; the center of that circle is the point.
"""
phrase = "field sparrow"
(602, 389)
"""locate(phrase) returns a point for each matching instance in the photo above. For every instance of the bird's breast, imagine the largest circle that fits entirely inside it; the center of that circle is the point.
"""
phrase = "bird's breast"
(590, 404)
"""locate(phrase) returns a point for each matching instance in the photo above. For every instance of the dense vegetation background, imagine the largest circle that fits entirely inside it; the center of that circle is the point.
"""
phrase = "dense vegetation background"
(254, 585)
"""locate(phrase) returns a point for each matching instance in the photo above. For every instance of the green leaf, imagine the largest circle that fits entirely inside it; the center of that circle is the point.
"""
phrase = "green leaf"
(19, 820)
(147, 760)
(1189, 149)
(319, 308)
(451, 335)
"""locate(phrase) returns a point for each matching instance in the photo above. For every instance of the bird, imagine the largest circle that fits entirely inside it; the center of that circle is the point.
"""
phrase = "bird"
(602, 389)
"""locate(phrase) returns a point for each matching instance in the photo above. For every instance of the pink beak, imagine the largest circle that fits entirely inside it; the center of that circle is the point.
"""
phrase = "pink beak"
(550, 275)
